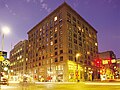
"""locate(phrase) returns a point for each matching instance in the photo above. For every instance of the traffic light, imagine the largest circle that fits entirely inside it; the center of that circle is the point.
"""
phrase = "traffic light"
(98, 62)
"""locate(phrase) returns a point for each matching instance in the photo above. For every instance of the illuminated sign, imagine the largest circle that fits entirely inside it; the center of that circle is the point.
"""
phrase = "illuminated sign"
(108, 61)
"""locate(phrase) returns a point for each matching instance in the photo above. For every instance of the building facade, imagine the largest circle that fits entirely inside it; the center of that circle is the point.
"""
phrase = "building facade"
(54, 44)
(18, 59)
(109, 65)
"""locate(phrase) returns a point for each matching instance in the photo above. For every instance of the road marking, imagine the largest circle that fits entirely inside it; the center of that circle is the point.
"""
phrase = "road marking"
(98, 83)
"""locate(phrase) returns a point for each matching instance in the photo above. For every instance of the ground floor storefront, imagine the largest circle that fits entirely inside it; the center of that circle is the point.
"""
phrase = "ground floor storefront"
(63, 72)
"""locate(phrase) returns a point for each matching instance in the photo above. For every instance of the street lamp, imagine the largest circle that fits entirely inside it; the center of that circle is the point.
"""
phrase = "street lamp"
(77, 58)
(4, 30)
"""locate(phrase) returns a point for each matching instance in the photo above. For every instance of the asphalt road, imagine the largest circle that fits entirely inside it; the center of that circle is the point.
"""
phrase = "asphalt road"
(63, 86)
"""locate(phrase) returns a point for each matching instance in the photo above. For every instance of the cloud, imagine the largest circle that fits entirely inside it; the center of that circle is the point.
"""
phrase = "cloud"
(45, 6)
(6, 5)
(9, 9)
(42, 3)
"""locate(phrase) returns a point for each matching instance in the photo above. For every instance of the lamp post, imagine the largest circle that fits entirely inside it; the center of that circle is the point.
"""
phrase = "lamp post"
(4, 30)
(77, 58)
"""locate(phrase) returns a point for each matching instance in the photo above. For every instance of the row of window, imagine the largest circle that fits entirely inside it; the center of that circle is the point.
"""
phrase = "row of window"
(48, 62)
(76, 24)
(48, 25)
(88, 62)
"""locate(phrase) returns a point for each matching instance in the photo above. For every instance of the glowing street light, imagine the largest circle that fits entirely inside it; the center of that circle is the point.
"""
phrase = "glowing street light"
(5, 30)
(77, 58)
(5, 68)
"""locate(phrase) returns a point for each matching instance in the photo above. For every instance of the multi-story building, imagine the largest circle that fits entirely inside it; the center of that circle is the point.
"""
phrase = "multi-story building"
(108, 61)
(62, 47)
(18, 58)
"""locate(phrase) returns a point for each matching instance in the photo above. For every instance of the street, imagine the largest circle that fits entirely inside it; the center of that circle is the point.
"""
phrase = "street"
(64, 86)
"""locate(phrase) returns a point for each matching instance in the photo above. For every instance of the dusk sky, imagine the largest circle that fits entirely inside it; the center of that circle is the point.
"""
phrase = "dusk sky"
(21, 15)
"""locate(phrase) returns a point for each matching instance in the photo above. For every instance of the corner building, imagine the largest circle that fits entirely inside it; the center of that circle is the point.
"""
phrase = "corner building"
(54, 43)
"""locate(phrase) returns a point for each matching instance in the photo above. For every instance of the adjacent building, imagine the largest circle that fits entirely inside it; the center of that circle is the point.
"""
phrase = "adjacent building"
(62, 47)
(18, 59)
(109, 66)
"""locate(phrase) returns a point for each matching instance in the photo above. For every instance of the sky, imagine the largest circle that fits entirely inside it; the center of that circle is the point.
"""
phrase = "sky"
(22, 15)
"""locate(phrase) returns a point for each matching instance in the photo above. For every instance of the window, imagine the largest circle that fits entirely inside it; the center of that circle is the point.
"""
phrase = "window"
(69, 20)
(51, 23)
(40, 29)
(60, 33)
(71, 58)
(56, 41)
(56, 53)
(68, 14)
(51, 43)
(42, 57)
(60, 26)
(51, 37)
(70, 51)
(61, 58)
(39, 58)
(55, 29)
(51, 32)
(75, 35)
(60, 39)
(56, 47)
(70, 33)
(55, 35)
(80, 38)
(55, 18)
(61, 45)
(96, 44)
(70, 45)
(70, 38)
(60, 15)
(74, 19)
(61, 51)
(78, 21)
(75, 41)
(56, 60)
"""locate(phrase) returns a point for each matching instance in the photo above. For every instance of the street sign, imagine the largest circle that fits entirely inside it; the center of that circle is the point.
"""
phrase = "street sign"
(6, 62)
(1, 58)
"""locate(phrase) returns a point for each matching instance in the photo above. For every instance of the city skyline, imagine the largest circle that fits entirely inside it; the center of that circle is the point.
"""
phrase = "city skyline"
(22, 16)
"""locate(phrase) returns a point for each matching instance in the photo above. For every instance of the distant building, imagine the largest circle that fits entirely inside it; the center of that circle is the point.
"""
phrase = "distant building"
(108, 60)
(54, 43)
(107, 55)
(18, 58)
